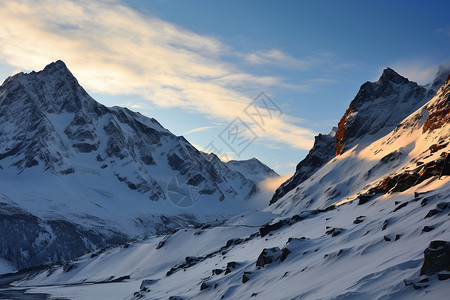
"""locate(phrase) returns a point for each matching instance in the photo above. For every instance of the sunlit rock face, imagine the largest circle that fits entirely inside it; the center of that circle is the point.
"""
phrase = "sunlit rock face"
(392, 137)
(439, 112)
(378, 108)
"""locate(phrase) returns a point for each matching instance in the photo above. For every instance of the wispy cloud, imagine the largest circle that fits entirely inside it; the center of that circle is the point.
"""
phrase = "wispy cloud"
(271, 184)
(445, 31)
(279, 58)
(135, 105)
(267, 187)
(199, 129)
(114, 49)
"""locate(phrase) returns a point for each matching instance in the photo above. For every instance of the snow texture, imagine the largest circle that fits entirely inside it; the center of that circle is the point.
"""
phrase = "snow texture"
(328, 238)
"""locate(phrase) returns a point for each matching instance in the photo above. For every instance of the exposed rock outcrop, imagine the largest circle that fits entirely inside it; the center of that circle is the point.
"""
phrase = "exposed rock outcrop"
(439, 112)
(322, 152)
(436, 258)
(268, 256)
(379, 107)
(403, 181)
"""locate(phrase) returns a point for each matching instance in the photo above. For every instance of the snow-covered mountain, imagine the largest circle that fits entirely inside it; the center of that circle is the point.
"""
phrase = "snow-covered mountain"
(252, 168)
(99, 175)
(370, 223)
(376, 110)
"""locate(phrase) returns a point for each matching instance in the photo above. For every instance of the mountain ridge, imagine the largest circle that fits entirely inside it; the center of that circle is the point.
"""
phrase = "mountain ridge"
(374, 158)
(106, 169)
(392, 98)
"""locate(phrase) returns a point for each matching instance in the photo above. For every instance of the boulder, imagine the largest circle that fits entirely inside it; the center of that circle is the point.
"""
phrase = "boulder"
(146, 283)
(217, 271)
(444, 275)
(284, 254)
(267, 228)
(400, 206)
(427, 228)
(246, 277)
(204, 286)
(436, 257)
(385, 224)
(363, 198)
(359, 219)
(440, 207)
(333, 232)
(268, 256)
(160, 244)
(230, 265)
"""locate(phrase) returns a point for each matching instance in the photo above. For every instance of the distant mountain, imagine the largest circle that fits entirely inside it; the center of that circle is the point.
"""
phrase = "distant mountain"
(66, 158)
(252, 168)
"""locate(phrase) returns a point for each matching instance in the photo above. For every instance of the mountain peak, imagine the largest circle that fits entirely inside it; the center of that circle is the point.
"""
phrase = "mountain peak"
(58, 68)
(391, 75)
(379, 107)
(252, 168)
(59, 64)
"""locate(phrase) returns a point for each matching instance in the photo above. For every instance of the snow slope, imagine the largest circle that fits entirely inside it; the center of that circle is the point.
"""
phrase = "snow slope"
(363, 261)
(356, 229)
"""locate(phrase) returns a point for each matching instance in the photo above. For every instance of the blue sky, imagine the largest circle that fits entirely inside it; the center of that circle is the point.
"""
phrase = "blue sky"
(195, 66)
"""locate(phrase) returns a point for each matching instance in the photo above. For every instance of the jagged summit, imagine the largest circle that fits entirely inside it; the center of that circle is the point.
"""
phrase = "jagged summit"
(57, 68)
(392, 137)
(51, 90)
(54, 69)
(58, 65)
(392, 76)
(376, 110)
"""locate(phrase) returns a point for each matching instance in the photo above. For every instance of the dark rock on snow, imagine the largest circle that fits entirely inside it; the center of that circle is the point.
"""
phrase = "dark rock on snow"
(436, 258)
